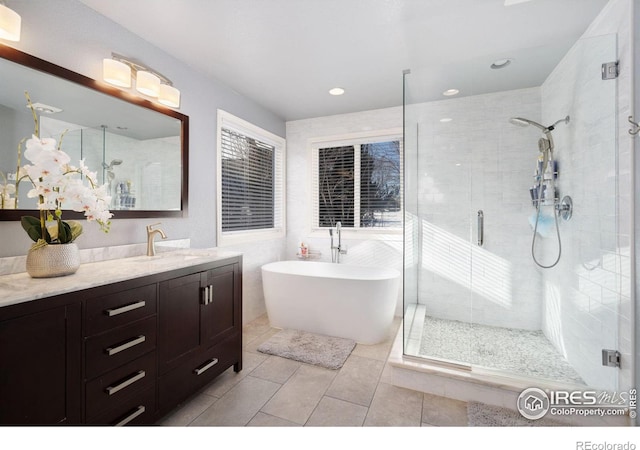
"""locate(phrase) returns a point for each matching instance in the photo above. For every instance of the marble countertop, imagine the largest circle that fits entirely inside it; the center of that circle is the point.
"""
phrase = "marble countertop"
(20, 287)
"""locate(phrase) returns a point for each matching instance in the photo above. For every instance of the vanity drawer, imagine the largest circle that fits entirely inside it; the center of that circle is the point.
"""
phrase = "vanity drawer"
(115, 348)
(177, 384)
(137, 410)
(214, 361)
(121, 308)
(113, 388)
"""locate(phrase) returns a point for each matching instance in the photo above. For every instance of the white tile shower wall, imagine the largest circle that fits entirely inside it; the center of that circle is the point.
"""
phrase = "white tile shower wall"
(478, 161)
(155, 175)
(587, 301)
(380, 250)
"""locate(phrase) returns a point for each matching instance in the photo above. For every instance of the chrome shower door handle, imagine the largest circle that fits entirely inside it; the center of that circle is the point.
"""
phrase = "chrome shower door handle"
(480, 227)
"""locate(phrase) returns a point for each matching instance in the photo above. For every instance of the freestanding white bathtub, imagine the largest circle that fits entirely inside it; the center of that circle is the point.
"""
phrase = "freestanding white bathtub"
(331, 299)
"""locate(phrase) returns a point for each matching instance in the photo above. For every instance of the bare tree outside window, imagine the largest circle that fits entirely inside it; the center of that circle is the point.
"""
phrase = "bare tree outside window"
(380, 185)
(378, 177)
(337, 186)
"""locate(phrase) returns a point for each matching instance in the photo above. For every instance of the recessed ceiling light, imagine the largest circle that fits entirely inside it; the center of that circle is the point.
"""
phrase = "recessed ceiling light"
(446, 119)
(500, 63)
(336, 91)
(449, 92)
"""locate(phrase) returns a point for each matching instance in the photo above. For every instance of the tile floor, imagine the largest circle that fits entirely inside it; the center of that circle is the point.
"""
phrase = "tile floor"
(272, 391)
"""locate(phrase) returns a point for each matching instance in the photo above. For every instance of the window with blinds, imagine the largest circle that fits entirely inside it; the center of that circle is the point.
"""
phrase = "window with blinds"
(359, 185)
(247, 182)
(250, 180)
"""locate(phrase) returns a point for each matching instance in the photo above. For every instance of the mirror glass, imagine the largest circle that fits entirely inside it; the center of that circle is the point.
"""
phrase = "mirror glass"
(135, 146)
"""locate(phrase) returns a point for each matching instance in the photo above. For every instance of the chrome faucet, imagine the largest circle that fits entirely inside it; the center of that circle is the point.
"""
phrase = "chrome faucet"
(151, 233)
(337, 251)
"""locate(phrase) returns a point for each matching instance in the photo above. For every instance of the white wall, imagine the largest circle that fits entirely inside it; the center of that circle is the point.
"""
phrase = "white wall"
(477, 161)
(587, 304)
(69, 34)
(383, 251)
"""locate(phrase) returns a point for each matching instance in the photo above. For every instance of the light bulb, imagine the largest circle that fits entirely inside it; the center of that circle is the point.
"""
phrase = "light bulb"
(116, 73)
(148, 83)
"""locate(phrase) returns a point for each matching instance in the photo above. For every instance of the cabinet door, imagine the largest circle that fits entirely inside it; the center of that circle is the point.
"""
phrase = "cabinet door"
(40, 367)
(220, 314)
(179, 320)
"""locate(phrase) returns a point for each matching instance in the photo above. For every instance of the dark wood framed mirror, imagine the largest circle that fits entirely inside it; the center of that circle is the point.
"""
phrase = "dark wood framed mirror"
(140, 148)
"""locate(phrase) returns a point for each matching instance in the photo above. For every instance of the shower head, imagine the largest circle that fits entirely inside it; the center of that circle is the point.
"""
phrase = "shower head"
(114, 162)
(522, 122)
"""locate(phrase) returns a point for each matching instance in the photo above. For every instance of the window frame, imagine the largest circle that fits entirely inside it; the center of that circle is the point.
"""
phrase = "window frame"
(355, 140)
(225, 238)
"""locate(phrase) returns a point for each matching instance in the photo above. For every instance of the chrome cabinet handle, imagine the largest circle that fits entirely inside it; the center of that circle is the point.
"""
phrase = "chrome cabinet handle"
(207, 366)
(205, 298)
(133, 342)
(128, 382)
(124, 309)
(480, 227)
(208, 295)
(139, 410)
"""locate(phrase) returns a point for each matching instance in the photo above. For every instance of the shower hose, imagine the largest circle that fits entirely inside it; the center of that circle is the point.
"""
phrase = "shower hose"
(535, 232)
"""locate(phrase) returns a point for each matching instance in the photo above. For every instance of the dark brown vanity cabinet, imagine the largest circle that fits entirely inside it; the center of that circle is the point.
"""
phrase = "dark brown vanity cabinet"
(199, 331)
(120, 357)
(122, 353)
(40, 365)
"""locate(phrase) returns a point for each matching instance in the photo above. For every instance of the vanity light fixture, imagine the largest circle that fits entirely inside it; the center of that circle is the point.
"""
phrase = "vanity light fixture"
(450, 92)
(10, 22)
(116, 73)
(147, 83)
(120, 70)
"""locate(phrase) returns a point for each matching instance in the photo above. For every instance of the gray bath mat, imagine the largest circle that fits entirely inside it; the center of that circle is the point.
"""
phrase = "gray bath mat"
(323, 351)
(481, 415)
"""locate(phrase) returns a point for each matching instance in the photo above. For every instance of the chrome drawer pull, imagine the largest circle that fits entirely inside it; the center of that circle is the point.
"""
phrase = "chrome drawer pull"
(209, 365)
(139, 410)
(205, 299)
(133, 342)
(211, 293)
(128, 382)
(124, 309)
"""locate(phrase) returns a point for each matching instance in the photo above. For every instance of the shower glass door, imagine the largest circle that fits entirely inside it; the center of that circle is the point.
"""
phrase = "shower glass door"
(438, 300)
(473, 292)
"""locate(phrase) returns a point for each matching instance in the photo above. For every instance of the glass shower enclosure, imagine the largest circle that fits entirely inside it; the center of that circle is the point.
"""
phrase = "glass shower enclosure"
(477, 185)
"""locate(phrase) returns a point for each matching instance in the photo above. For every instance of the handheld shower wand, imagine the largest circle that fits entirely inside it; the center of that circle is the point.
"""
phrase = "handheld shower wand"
(545, 147)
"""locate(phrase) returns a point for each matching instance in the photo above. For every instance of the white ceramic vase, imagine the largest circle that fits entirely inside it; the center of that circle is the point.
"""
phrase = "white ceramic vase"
(54, 260)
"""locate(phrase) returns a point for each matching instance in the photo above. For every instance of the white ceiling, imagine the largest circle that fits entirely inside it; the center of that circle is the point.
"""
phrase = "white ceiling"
(287, 54)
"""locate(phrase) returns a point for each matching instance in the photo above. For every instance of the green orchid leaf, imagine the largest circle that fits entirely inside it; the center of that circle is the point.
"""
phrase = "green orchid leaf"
(32, 226)
(76, 229)
(39, 244)
(64, 232)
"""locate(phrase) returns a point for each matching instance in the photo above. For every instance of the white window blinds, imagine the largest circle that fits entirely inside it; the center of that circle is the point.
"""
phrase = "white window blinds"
(247, 183)
(251, 181)
(359, 185)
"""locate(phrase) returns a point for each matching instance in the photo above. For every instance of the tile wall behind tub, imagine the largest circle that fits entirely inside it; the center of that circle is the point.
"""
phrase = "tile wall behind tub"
(478, 161)
(380, 251)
